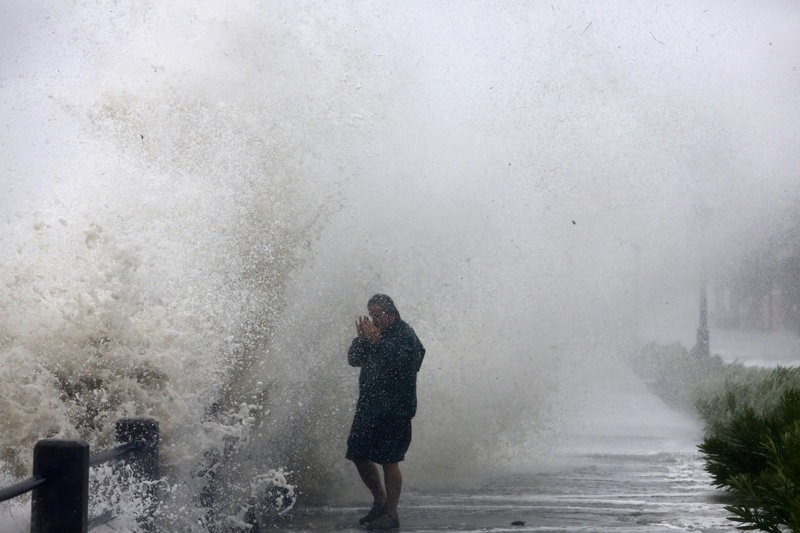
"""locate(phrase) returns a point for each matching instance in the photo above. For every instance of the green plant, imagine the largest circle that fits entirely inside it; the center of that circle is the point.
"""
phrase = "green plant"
(752, 429)
(757, 458)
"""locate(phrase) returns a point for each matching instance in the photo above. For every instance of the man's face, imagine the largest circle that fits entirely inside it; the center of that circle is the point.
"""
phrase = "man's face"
(379, 317)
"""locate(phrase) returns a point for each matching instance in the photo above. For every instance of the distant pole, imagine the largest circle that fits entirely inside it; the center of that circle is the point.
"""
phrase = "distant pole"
(62, 503)
(702, 347)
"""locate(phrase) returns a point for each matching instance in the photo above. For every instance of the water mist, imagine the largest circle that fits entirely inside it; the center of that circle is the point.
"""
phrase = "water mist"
(200, 201)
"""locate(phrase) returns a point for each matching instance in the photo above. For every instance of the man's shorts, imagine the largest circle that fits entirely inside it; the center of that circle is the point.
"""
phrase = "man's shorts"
(382, 440)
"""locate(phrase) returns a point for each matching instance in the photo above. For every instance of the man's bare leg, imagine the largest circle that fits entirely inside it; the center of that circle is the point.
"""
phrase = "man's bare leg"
(372, 479)
(394, 485)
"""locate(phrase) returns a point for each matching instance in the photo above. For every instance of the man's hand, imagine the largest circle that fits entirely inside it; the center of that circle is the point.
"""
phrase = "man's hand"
(367, 330)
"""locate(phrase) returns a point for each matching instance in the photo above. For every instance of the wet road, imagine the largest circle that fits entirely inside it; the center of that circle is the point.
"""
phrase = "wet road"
(617, 493)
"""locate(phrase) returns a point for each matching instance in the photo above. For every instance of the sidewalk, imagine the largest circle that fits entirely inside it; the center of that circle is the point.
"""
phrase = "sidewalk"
(664, 492)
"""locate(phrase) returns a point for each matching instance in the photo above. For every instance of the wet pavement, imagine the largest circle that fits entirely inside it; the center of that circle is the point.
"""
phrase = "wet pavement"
(600, 493)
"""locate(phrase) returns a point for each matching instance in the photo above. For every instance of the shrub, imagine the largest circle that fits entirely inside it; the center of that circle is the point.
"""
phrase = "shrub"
(756, 457)
(752, 429)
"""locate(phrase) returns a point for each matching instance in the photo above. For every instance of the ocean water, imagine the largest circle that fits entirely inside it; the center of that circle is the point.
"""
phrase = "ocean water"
(196, 202)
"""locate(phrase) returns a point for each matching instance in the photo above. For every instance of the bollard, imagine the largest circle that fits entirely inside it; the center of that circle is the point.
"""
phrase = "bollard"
(62, 503)
(144, 460)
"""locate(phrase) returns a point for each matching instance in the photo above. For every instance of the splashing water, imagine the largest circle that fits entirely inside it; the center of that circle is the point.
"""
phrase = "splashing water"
(199, 201)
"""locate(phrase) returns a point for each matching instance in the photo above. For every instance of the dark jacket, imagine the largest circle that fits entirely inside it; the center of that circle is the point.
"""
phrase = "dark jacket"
(387, 385)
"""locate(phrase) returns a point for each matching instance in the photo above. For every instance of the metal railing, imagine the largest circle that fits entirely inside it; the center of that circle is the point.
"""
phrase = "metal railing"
(60, 481)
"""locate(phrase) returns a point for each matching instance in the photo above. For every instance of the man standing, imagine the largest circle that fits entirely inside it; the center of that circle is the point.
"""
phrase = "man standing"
(390, 355)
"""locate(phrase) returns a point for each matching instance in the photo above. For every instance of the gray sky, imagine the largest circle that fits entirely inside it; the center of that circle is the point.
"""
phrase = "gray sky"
(569, 128)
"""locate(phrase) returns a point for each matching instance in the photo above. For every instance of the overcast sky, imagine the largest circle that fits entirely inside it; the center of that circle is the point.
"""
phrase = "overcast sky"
(568, 128)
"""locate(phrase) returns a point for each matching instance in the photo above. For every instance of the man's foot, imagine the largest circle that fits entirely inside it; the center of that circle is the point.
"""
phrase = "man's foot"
(376, 511)
(383, 522)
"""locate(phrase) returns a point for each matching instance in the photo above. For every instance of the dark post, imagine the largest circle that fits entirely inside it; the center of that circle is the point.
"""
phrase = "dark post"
(703, 346)
(144, 460)
(62, 503)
